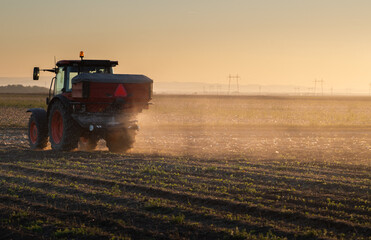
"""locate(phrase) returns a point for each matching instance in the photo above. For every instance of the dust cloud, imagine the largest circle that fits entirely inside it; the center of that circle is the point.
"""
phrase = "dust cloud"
(292, 128)
(256, 128)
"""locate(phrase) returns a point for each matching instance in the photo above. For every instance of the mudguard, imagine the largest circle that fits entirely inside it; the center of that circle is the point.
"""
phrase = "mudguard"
(40, 114)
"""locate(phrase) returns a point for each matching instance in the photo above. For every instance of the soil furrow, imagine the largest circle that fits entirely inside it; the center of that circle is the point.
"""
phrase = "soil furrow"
(235, 207)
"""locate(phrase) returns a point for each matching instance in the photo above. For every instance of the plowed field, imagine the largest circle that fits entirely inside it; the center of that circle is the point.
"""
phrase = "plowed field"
(202, 168)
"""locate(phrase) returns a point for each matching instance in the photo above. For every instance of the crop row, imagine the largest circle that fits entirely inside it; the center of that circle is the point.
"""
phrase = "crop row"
(115, 196)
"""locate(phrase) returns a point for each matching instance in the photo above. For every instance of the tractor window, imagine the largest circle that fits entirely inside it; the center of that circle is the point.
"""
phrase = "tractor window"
(97, 69)
(71, 73)
(59, 81)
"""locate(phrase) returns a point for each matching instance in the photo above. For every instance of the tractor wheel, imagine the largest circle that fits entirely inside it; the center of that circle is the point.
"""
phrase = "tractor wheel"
(63, 130)
(120, 141)
(88, 143)
(38, 130)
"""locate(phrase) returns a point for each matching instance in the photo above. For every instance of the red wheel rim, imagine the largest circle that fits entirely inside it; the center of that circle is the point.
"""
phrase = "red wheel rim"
(57, 127)
(33, 132)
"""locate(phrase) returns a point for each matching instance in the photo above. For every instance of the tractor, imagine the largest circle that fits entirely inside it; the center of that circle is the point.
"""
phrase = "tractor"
(88, 102)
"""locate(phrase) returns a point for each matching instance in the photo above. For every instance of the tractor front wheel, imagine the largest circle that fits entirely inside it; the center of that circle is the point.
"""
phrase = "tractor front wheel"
(37, 130)
(63, 129)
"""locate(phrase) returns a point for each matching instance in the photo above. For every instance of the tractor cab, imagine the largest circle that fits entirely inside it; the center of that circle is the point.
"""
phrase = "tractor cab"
(68, 69)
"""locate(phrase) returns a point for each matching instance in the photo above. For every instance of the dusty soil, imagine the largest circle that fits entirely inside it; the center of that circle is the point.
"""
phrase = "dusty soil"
(348, 145)
(192, 183)
(285, 172)
(341, 144)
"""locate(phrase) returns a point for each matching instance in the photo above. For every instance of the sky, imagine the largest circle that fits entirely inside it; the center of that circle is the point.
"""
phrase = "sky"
(267, 42)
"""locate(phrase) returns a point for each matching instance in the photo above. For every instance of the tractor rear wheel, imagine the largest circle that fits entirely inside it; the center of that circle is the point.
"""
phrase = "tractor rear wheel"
(63, 130)
(37, 130)
(120, 141)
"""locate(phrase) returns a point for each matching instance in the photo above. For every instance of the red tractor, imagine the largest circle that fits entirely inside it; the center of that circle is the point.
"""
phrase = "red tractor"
(87, 102)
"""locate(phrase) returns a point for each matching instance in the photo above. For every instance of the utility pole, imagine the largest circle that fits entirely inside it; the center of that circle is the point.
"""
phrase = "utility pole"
(297, 90)
(229, 84)
(315, 86)
(231, 78)
(238, 86)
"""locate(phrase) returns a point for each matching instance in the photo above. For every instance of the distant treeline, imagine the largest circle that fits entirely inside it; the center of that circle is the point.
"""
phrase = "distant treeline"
(22, 89)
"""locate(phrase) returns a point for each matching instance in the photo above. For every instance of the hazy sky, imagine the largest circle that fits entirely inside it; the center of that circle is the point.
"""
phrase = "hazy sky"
(264, 41)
